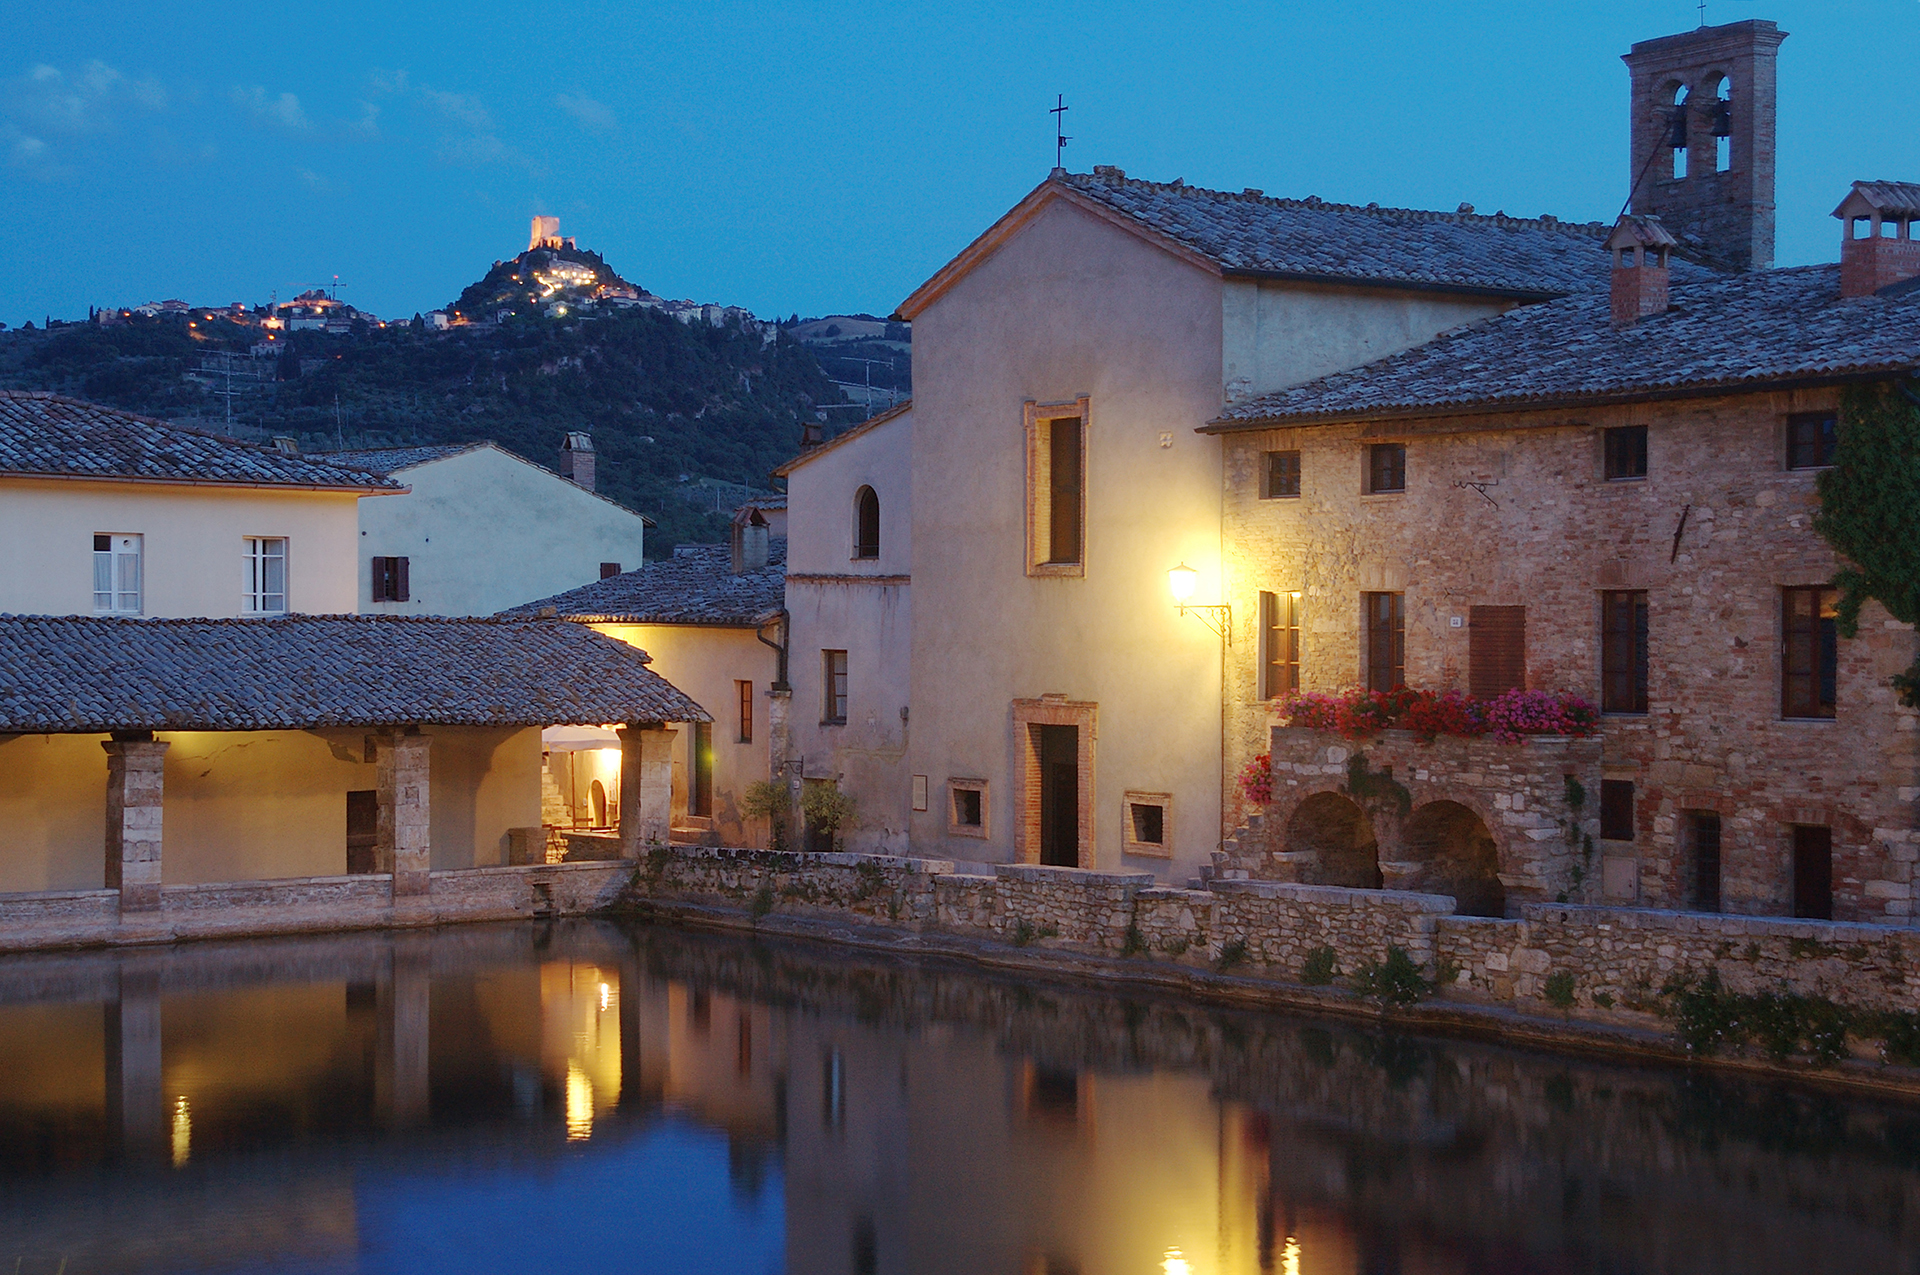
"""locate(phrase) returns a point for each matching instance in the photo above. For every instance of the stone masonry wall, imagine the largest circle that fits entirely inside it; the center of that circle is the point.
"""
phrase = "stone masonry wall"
(1515, 510)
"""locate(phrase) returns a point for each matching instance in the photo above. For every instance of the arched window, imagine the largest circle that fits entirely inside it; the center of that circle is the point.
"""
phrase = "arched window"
(1723, 125)
(1677, 133)
(866, 524)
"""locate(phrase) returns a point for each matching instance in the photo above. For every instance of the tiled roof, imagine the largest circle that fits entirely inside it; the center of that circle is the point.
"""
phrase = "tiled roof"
(390, 460)
(1249, 233)
(1902, 198)
(695, 586)
(46, 434)
(1744, 331)
(74, 674)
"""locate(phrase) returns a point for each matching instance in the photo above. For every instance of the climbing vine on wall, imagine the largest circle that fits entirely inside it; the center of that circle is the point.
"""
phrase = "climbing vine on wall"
(1870, 512)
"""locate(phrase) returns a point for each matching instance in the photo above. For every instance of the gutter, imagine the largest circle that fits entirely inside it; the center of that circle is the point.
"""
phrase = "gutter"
(395, 490)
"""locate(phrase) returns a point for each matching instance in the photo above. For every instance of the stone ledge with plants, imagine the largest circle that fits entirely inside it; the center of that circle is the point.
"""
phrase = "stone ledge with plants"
(1358, 713)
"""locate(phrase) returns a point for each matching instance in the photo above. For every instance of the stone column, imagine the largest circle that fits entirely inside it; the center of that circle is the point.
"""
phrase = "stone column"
(405, 845)
(646, 787)
(136, 1102)
(135, 783)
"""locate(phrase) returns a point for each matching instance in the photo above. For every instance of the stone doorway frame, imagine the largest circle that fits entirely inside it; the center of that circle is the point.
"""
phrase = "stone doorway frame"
(1051, 710)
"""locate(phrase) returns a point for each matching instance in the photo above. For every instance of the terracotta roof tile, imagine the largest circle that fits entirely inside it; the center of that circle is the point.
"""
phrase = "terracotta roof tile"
(696, 586)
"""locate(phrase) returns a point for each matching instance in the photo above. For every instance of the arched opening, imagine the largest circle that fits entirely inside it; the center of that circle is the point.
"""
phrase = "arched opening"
(1677, 131)
(866, 524)
(597, 795)
(1457, 856)
(1722, 124)
(1340, 837)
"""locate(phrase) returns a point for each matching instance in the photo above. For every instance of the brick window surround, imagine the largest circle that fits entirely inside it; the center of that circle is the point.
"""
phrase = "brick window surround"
(1137, 814)
(1028, 716)
(1056, 550)
(1809, 651)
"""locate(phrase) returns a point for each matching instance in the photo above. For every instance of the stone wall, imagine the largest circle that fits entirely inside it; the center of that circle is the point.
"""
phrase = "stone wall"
(1516, 510)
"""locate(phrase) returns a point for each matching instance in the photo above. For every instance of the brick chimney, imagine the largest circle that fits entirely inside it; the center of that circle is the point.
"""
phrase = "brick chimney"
(1702, 151)
(576, 459)
(1880, 236)
(1640, 248)
(751, 550)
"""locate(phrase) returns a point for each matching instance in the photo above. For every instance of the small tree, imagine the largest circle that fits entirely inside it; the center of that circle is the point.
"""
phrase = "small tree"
(827, 809)
(767, 800)
(1870, 512)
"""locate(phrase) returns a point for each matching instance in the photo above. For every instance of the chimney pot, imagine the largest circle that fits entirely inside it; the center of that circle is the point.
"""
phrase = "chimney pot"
(1879, 236)
(576, 459)
(1642, 255)
(751, 536)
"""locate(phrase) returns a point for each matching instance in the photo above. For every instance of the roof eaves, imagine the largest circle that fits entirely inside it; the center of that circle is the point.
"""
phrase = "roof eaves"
(1397, 285)
(346, 489)
(845, 435)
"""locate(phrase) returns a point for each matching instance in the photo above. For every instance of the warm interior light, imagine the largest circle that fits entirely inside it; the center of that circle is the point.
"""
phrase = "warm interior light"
(1175, 1264)
(1182, 580)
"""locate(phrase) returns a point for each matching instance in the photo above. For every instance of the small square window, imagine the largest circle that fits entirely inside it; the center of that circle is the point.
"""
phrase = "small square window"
(967, 807)
(1386, 467)
(608, 570)
(1626, 447)
(1148, 825)
(1282, 476)
(1811, 439)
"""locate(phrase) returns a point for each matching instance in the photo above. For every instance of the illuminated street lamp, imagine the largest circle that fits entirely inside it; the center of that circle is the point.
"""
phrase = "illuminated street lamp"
(1218, 616)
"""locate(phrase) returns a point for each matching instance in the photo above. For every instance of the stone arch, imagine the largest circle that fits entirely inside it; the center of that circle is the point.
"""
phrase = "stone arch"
(1338, 834)
(1449, 850)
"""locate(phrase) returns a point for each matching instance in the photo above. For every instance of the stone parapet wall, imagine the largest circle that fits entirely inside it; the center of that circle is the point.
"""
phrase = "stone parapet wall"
(1624, 956)
(887, 888)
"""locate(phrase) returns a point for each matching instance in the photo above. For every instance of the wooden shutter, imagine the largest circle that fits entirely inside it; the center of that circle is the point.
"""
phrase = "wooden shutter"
(1063, 523)
(399, 579)
(377, 584)
(1496, 651)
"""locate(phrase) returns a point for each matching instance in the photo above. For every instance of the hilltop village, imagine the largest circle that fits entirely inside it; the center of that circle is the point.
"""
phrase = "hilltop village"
(1419, 605)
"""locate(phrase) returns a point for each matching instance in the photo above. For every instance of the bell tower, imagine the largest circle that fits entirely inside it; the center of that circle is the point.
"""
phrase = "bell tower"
(1703, 139)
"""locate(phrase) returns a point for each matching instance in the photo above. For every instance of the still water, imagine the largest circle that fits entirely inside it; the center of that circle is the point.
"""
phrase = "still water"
(583, 1097)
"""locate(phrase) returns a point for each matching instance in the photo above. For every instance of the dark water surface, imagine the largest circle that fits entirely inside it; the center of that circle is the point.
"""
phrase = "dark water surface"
(584, 1097)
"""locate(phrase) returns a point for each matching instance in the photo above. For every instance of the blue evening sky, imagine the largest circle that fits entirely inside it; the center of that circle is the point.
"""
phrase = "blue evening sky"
(818, 157)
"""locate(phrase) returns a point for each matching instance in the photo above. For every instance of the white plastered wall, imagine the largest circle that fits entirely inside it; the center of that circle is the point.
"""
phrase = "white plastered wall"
(193, 550)
(484, 530)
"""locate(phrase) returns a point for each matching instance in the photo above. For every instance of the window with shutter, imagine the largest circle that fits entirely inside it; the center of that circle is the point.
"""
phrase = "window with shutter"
(745, 691)
(1496, 651)
(1812, 438)
(1282, 476)
(1809, 651)
(1280, 644)
(1386, 467)
(1626, 452)
(834, 711)
(1056, 490)
(1386, 640)
(1623, 651)
(1616, 809)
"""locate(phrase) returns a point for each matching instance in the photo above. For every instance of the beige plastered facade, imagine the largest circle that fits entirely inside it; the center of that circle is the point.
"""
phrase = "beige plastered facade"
(255, 805)
(1060, 302)
(863, 606)
(707, 662)
(193, 544)
(484, 530)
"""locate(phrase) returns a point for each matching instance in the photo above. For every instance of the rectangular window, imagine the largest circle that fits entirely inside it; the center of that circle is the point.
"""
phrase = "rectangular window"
(700, 798)
(1703, 845)
(1386, 632)
(1056, 488)
(266, 586)
(1146, 821)
(1616, 810)
(1496, 651)
(1813, 872)
(608, 570)
(745, 693)
(1280, 636)
(1626, 448)
(835, 708)
(1623, 651)
(1386, 467)
(967, 807)
(116, 574)
(389, 579)
(1282, 476)
(1811, 439)
(1809, 652)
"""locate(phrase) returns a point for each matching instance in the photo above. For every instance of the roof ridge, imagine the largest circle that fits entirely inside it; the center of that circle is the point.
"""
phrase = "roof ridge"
(1461, 216)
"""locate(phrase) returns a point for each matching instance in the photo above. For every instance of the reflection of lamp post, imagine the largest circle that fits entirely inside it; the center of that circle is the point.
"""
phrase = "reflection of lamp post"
(1217, 616)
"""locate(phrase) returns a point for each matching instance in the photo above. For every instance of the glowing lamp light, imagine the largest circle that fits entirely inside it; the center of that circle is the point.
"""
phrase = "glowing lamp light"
(1175, 1264)
(1218, 616)
(1182, 580)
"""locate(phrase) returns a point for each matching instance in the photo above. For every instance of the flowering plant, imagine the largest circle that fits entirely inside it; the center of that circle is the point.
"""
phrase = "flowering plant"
(1358, 713)
(1256, 780)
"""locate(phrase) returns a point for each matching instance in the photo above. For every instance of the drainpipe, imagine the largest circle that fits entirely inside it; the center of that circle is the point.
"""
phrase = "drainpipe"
(780, 647)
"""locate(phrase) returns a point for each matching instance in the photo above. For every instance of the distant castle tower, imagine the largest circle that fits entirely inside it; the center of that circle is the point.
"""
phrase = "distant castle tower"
(546, 233)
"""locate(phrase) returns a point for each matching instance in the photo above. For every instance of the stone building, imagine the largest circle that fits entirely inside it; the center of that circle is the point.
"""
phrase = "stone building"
(1612, 497)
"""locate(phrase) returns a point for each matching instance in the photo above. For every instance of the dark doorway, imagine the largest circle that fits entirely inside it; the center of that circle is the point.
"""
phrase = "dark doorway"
(1703, 837)
(1059, 748)
(363, 829)
(1813, 872)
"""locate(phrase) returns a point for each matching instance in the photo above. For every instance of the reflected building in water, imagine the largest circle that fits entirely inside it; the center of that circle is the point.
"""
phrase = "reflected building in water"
(318, 1104)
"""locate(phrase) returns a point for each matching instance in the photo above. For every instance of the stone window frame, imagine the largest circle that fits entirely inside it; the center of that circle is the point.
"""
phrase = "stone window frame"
(1051, 710)
(1161, 849)
(954, 826)
(1039, 508)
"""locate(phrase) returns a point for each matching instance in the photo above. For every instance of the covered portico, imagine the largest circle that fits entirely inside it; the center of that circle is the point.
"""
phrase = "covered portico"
(237, 758)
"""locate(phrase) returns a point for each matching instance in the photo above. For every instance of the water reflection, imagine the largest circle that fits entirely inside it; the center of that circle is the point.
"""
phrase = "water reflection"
(581, 1096)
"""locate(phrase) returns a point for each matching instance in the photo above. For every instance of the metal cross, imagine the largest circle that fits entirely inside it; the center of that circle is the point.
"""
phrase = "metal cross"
(1060, 139)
